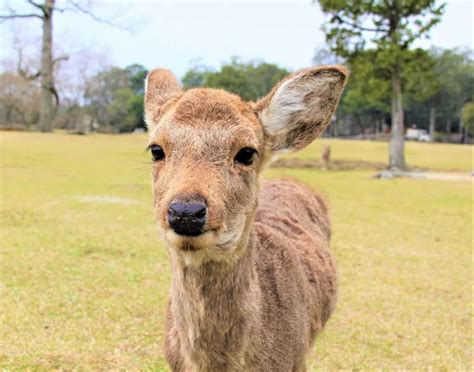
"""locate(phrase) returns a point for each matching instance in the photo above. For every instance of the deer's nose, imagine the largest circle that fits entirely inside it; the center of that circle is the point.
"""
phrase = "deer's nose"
(187, 217)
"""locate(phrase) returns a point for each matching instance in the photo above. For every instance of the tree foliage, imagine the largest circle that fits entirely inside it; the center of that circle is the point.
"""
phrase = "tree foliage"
(454, 70)
(251, 80)
(467, 115)
(115, 97)
(368, 91)
(44, 11)
(19, 100)
(440, 79)
(389, 27)
(449, 83)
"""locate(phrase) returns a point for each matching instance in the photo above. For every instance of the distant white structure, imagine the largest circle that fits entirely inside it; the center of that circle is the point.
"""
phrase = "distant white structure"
(418, 135)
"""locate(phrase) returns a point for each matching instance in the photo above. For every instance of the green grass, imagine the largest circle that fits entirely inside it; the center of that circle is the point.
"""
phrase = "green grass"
(84, 281)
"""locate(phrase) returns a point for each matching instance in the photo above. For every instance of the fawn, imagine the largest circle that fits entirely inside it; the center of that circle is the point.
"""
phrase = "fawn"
(253, 280)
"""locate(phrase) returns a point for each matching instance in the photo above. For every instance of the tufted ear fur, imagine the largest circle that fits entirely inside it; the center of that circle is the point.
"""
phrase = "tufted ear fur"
(160, 86)
(300, 107)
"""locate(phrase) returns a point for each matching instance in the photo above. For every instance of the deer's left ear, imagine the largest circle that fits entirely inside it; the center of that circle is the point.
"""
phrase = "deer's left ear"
(299, 108)
(160, 87)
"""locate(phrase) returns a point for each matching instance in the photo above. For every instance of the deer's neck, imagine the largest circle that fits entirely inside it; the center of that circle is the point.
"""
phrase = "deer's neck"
(215, 308)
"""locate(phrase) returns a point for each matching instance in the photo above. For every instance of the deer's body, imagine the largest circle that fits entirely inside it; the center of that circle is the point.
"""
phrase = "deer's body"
(251, 285)
(276, 297)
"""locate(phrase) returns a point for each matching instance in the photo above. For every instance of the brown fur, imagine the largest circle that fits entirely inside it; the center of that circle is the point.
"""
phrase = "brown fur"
(253, 290)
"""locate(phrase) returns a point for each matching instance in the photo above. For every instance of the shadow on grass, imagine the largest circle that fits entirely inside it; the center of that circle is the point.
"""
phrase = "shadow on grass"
(337, 165)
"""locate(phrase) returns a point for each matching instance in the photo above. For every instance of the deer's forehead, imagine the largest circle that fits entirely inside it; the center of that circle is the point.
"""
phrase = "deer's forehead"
(219, 138)
(200, 109)
(204, 107)
(208, 117)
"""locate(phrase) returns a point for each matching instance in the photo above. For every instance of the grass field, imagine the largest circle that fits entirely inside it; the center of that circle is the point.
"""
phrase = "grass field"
(84, 277)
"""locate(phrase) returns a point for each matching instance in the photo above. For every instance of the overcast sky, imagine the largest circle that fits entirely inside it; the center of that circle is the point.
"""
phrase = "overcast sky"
(177, 34)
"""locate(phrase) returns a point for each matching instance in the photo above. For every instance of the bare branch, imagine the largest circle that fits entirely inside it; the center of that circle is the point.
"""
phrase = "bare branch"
(56, 97)
(13, 16)
(78, 8)
(422, 30)
(43, 9)
(60, 10)
(24, 72)
(39, 6)
(59, 59)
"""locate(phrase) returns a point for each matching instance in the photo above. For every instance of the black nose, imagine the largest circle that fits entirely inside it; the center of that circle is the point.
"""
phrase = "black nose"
(187, 217)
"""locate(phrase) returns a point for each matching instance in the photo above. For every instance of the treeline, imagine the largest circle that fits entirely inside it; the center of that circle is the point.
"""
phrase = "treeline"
(437, 91)
(251, 80)
(437, 85)
(109, 101)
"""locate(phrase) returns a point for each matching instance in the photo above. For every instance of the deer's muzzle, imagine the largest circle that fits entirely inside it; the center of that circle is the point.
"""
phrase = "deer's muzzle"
(187, 216)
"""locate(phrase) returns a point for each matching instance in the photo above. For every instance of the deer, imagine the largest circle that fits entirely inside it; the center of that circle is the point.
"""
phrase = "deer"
(326, 156)
(253, 278)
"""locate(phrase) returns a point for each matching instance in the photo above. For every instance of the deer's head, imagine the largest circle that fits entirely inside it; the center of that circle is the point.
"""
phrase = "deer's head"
(209, 147)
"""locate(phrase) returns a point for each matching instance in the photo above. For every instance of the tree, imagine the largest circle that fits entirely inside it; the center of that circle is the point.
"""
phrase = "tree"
(44, 12)
(390, 27)
(195, 77)
(367, 96)
(263, 77)
(249, 80)
(100, 93)
(115, 97)
(19, 99)
(443, 92)
(136, 74)
(122, 111)
(467, 116)
(454, 71)
(367, 92)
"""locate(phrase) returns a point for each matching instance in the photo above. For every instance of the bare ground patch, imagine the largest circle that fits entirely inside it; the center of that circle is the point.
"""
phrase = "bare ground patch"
(426, 175)
(337, 165)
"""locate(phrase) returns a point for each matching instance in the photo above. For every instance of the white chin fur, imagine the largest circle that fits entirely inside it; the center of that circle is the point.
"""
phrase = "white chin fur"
(209, 246)
(197, 242)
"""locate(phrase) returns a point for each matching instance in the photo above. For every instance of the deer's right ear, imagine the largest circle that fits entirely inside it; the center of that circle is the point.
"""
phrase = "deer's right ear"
(160, 86)
(298, 109)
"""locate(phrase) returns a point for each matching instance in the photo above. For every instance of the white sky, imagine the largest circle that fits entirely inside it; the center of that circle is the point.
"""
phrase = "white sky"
(174, 34)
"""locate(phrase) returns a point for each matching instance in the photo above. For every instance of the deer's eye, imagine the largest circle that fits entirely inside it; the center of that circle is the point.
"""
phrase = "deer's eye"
(157, 153)
(245, 156)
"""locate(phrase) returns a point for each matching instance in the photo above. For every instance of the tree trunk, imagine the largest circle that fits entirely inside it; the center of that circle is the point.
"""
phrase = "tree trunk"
(8, 113)
(24, 119)
(397, 140)
(47, 82)
(432, 122)
(359, 124)
(381, 125)
(448, 130)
